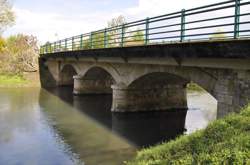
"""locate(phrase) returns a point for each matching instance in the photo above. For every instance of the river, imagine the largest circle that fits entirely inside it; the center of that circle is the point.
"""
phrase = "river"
(41, 127)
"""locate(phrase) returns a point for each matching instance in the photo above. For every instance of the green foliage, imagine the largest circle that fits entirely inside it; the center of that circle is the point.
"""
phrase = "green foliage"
(194, 87)
(225, 141)
(138, 36)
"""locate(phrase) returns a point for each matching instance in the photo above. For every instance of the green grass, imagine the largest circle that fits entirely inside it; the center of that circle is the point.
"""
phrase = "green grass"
(224, 141)
(192, 87)
(12, 81)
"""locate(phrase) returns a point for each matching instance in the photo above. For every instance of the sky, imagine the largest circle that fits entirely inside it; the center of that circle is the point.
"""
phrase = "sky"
(52, 20)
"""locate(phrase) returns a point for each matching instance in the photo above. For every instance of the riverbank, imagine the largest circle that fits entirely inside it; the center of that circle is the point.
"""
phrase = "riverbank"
(17, 81)
(224, 141)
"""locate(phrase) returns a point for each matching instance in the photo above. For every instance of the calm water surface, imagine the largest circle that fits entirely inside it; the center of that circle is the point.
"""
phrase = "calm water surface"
(39, 127)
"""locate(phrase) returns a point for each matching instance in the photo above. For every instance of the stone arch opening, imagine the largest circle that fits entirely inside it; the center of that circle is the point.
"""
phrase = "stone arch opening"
(95, 81)
(66, 76)
(202, 107)
(157, 91)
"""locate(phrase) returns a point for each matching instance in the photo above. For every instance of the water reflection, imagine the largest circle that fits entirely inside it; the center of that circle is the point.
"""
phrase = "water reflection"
(55, 127)
(25, 136)
(140, 129)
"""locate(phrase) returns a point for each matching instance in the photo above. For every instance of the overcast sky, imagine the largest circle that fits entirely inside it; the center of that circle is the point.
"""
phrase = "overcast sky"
(51, 20)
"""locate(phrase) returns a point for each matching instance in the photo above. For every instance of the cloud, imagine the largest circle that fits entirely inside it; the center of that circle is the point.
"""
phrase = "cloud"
(54, 26)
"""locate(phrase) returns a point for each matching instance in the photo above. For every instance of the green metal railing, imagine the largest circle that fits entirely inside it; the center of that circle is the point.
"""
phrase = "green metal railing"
(223, 20)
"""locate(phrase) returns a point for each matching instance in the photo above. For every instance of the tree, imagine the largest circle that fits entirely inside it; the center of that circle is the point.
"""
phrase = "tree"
(137, 38)
(21, 54)
(115, 34)
(7, 17)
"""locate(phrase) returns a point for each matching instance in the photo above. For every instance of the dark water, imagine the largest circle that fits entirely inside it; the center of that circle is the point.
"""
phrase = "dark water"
(56, 128)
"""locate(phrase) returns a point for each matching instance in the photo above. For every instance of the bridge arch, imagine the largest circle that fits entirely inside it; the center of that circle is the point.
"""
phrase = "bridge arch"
(94, 80)
(159, 88)
(66, 74)
(196, 75)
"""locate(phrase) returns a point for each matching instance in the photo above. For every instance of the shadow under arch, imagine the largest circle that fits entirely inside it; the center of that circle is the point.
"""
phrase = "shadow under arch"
(157, 91)
(157, 79)
(96, 80)
(66, 75)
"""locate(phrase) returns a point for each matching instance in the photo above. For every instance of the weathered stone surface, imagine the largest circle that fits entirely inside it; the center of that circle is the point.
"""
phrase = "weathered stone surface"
(148, 99)
(87, 86)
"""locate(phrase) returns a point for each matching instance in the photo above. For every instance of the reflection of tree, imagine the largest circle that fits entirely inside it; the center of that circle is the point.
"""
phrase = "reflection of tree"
(18, 113)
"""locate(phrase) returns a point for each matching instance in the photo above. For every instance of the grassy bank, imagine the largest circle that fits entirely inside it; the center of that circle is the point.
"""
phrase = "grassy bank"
(192, 87)
(7, 80)
(225, 141)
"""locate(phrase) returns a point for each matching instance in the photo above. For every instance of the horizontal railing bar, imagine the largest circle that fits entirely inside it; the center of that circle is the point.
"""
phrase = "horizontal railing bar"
(211, 19)
(212, 5)
(198, 21)
(209, 10)
(160, 27)
(227, 32)
(201, 34)
(163, 32)
(211, 26)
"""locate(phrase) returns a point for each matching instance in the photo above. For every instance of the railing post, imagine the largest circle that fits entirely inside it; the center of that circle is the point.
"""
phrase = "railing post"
(147, 31)
(60, 45)
(66, 44)
(182, 25)
(237, 19)
(73, 43)
(81, 42)
(54, 49)
(41, 49)
(50, 47)
(91, 40)
(123, 33)
(105, 38)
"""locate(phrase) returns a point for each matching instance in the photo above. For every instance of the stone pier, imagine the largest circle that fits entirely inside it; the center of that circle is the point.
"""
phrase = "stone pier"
(158, 98)
(91, 86)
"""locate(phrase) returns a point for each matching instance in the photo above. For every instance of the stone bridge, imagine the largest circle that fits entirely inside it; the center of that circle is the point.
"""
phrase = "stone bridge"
(155, 77)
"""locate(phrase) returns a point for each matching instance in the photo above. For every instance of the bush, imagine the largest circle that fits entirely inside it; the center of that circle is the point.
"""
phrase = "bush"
(18, 54)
